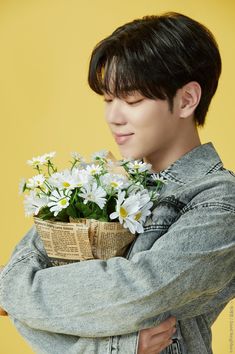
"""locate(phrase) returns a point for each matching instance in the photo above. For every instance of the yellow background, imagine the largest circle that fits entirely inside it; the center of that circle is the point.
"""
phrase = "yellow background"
(46, 104)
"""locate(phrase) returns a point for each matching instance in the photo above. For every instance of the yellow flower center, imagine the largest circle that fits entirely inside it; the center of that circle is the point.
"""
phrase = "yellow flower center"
(66, 184)
(63, 201)
(138, 216)
(36, 162)
(123, 212)
(114, 184)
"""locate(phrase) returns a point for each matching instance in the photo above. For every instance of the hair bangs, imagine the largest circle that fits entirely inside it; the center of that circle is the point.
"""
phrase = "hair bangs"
(121, 73)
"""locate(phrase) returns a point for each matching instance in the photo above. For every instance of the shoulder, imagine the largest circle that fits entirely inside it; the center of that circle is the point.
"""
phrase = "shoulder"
(214, 189)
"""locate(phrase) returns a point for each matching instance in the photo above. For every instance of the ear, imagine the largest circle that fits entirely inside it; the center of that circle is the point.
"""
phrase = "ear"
(190, 98)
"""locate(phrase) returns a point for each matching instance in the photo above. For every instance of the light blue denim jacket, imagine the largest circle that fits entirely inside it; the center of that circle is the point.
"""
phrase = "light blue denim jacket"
(182, 265)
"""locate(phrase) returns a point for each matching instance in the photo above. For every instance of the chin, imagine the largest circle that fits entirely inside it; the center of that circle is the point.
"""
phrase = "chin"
(133, 155)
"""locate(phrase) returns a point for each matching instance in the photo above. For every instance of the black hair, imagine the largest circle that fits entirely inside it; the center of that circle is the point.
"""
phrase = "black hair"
(157, 55)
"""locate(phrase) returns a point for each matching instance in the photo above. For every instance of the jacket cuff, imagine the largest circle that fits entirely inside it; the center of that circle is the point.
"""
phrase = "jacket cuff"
(126, 343)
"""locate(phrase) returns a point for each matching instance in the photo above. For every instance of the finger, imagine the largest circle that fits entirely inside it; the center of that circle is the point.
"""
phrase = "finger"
(167, 324)
(156, 343)
(164, 346)
(154, 349)
(158, 347)
(164, 326)
(3, 312)
(162, 337)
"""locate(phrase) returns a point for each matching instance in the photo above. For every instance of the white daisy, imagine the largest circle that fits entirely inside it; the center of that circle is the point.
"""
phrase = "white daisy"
(124, 161)
(49, 155)
(58, 200)
(133, 210)
(94, 169)
(135, 188)
(44, 190)
(154, 195)
(142, 214)
(111, 181)
(133, 225)
(33, 203)
(63, 180)
(37, 161)
(67, 180)
(36, 181)
(138, 166)
(157, 177)
(125, 207)
(41, 160)
(81, 177)
(54, 179)
(77, 156)
(102, 154)
(93, 193)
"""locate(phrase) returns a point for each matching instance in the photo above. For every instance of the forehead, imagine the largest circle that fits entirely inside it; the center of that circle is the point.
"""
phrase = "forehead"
(117, 80)
(124, 95)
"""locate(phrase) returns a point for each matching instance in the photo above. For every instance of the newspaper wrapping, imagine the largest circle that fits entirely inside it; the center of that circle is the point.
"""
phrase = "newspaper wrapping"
(82, 239)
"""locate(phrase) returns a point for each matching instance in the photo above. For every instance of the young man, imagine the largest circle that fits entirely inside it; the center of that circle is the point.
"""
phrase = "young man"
(158, 76)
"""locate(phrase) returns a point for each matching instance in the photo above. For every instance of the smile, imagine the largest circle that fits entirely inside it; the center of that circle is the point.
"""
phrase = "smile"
(122, 138)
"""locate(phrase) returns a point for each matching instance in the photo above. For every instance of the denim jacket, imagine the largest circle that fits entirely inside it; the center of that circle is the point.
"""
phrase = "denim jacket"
(182, 264)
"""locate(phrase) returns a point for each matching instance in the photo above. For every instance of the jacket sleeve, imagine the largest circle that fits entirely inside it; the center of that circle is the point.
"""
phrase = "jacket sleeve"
(186, 272)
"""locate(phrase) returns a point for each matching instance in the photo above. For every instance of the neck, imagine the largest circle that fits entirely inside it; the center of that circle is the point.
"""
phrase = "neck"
(173, 150)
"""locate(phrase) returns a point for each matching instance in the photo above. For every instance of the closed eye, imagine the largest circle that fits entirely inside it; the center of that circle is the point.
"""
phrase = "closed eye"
(106, 100)
(131, 103)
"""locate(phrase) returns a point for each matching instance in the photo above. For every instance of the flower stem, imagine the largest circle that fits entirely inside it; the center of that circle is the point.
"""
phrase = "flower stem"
(75, 194)
(73, 164)
(38, 169)
(42, 190)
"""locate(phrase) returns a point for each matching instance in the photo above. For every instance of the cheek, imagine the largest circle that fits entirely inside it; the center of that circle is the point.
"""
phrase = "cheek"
(148, 138)
(147, 127)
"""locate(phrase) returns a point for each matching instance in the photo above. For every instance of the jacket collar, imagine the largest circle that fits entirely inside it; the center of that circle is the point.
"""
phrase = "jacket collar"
(196, 163)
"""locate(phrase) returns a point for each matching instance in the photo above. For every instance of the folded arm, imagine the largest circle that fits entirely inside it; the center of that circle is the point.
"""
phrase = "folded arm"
(187, 269)
(2, 312)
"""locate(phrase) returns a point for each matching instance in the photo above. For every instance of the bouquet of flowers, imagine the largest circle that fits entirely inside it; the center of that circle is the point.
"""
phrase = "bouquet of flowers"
(90, 210)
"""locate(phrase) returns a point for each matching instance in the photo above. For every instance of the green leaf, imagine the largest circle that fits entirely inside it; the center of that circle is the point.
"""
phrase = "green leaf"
(84, 209)
(111, 206)
(62, 216)
(102, 218)
(72, 211)
(45, 214)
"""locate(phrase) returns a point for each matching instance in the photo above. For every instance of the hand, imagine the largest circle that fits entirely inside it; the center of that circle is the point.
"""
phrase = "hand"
(154, 340)
(2, 312)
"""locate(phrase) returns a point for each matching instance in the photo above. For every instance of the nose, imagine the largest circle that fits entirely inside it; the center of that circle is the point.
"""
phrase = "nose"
(114, 112)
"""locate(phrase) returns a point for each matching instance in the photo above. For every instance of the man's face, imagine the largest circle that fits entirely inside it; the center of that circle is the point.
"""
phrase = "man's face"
(143, 127)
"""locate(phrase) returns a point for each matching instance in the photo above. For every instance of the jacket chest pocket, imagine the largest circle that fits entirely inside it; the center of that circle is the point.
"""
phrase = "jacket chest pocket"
(163, 216)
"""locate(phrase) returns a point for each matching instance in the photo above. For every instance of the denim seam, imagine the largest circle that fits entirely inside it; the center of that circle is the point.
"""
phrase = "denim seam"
(156, 227)
(27, 256)
(224, 206)
(215, 168)
(231, 173)
(173, 201)
(172, 178)
(109, 345)
(137, 342)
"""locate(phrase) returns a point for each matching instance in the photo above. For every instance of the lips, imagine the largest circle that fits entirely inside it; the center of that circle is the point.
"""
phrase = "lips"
(122, 138)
